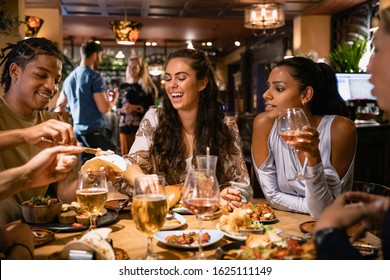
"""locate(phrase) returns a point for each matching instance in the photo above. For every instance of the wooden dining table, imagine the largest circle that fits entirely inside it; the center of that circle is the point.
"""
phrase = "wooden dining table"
(125, 236)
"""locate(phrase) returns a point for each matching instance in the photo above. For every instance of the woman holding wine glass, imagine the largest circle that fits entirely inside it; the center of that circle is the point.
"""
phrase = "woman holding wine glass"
(190, 120)
(325, 149)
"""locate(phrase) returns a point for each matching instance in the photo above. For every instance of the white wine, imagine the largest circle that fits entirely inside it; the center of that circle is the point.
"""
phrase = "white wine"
(149, 212)
(92, 200)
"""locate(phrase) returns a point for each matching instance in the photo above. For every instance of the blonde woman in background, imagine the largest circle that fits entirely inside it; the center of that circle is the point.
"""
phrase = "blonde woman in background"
(137, 94)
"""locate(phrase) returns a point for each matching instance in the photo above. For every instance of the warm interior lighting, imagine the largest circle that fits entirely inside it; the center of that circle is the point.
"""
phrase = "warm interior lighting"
(33, 24)
(264, 16)
(126, 31)
(120, 55)
(155, 64)
(190, 45)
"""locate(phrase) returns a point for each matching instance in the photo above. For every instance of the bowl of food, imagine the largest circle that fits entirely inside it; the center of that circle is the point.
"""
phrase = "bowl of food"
(41, 210)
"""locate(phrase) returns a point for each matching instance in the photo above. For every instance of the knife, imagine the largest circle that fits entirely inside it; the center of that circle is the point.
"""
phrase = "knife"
(87, 150)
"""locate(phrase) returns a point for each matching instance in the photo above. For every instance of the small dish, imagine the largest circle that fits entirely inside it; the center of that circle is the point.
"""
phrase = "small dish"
(243, 236)
(170, 224)
(272, 221)
(308, 227)
(182, 210)
(222, 252)
(215, 236)
(115, 204)
(42, 236)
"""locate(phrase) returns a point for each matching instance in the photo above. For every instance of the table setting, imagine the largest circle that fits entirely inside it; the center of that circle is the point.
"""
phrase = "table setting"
(146, 225)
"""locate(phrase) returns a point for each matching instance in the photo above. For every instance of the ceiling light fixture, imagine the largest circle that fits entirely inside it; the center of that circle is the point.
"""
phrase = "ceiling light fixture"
(190, 45)
(33, 24)
(264, 16)
(120, 55)
(126, 31)
(155, 64)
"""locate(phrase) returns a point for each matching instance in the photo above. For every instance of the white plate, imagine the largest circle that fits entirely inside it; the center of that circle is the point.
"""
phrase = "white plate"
(240, 236)
(215, 236)
(183, 211)
(178, 217)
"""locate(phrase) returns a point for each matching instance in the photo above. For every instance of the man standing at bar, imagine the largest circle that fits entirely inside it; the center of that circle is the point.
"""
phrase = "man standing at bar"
(85, 92)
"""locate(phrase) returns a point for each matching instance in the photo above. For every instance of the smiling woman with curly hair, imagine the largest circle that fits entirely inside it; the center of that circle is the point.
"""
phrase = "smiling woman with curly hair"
(190, 120)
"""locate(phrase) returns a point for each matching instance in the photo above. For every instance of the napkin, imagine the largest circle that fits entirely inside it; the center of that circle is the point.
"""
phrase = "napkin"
(93, 241)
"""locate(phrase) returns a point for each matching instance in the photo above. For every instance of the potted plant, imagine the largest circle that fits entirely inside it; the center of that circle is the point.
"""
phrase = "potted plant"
(346, 57)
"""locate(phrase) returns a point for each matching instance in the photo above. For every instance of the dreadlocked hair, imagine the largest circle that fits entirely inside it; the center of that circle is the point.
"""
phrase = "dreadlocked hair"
(210, 130)
(23, 52)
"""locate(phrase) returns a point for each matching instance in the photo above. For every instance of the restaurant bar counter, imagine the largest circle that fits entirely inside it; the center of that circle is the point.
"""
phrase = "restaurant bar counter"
(125, 236)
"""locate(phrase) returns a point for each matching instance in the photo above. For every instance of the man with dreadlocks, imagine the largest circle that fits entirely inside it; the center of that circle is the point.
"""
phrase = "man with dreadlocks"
(31, 77)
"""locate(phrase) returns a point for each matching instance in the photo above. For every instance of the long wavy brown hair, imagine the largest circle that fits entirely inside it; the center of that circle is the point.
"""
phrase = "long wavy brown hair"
(168, 149)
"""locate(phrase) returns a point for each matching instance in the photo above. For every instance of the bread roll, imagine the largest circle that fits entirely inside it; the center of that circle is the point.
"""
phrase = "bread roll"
(173, 194)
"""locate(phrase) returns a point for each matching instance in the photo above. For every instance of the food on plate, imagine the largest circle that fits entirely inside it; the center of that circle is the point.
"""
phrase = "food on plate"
(83, 218)
(172, 221)
(261, 211)
(173, 194)
(233, 221)
(67, 217)
(108, 162)
(246, 217)
(270, 246)
(93, 241)
(41, 200)
(41, 209)
(190, 238)
(74, 214)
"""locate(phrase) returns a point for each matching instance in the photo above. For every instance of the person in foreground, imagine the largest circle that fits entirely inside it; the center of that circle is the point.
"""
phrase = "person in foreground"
(50, 165)
(329, 143)
(190, 120)
(137, 95)
(31, 77)
(371, 211)
(85, 92)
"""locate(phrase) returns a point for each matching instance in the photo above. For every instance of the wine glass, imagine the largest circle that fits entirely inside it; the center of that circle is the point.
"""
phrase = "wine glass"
(201, 197)
(92, 194)
(291, 122)
(149, 208)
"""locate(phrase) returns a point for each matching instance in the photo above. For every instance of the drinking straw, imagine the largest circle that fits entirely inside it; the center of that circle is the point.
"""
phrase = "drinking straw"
(304, 166)
(207, 160)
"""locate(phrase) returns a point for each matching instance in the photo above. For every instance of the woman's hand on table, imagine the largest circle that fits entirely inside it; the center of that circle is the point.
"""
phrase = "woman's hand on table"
(231, 197)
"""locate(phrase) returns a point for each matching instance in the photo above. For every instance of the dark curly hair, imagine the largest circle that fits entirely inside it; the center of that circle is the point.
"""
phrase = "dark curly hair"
(168, 147)
(321, 77)
(23, 52)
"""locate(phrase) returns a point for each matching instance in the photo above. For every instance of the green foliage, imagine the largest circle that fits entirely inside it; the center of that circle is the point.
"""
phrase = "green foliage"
(8, 23)
(346, 57)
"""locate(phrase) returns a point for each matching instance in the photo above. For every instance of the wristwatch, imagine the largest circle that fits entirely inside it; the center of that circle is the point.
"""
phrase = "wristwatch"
(321, 234)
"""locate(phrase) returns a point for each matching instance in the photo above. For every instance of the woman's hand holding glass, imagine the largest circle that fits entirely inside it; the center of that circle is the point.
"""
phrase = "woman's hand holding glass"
(294, 129)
